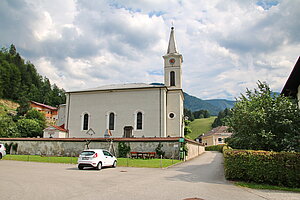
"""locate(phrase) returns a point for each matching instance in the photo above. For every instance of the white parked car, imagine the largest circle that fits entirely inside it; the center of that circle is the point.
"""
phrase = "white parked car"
(96, 158)
(2, 151)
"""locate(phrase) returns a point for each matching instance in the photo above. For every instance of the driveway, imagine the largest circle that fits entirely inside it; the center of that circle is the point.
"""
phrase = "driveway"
(201, 177)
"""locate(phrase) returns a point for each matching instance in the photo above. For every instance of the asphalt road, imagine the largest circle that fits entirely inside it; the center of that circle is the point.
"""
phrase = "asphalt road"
(199, 178)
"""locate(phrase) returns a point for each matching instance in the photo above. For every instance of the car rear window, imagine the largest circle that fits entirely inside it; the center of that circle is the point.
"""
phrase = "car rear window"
(87, 153)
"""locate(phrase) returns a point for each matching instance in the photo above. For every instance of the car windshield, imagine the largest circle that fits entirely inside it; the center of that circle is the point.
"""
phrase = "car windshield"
(87, 153)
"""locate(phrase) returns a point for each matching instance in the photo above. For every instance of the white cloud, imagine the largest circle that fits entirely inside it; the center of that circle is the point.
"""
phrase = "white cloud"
(227, 46)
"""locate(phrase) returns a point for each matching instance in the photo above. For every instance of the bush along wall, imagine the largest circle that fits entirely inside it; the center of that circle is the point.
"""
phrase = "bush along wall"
(274, 168)
(215, 148)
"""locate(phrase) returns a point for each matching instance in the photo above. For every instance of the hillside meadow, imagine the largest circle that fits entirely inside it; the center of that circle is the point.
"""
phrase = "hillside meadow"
(200, 126)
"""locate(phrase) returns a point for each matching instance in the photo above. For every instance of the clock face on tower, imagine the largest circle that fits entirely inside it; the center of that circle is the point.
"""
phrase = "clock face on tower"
(172, 61)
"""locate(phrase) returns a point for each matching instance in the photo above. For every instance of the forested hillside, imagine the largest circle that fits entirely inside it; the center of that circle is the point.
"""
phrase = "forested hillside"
(214, 106)
(19, 81)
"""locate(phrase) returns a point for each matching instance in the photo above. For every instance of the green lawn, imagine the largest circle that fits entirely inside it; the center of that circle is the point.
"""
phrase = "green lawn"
(150, 163)
(34, 158)
(200, 126)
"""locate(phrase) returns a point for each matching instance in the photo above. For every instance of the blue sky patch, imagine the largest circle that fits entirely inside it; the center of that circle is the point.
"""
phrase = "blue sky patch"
(156, 72)
(156, 13)
(267, 4)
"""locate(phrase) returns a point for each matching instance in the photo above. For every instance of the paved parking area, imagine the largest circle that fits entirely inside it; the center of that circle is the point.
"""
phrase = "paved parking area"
(201, 177)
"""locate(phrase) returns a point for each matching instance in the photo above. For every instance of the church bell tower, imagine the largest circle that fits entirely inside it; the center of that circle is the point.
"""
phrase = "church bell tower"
(172, 64)
(173, 82)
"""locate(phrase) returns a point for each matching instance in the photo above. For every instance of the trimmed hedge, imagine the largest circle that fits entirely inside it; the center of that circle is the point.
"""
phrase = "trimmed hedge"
(215, 148)
(272, 168)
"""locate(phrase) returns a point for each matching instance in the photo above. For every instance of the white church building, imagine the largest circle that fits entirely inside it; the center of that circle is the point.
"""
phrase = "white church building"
(130, 110)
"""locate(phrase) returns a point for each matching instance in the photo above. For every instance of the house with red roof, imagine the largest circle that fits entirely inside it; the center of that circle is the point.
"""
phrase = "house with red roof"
(54, 131)
(51, 113)
(215, 136)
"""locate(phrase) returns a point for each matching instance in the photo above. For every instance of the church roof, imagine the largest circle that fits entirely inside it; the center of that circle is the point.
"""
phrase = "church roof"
(123, 87)
(172, 48)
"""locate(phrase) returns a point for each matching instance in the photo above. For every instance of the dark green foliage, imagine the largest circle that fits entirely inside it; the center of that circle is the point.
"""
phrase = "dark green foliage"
(263, 121)
(19, 80)
(159, 151)
(215, 148)
(263, 167)
(188, 114)
(29, 128)
(12, 50)
(8, 127)
(7, 147)
(185, 149)
(221, 120)
(201, 114)
(15, 147)
(187, 128)
(123, 149)
(24, 106)
(37, 116)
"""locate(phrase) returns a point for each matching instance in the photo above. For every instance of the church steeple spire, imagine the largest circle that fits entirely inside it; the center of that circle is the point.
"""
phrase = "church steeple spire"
(172, 48)
(172, 61)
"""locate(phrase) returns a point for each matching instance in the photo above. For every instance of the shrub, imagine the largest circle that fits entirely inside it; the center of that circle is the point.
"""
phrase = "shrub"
(159, 150)
(225, 148)
(7, 147)
(123, 149)
(263, 167)
(215, 148)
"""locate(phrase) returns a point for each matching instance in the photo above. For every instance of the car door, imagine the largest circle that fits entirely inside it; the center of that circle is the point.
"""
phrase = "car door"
(109, 159)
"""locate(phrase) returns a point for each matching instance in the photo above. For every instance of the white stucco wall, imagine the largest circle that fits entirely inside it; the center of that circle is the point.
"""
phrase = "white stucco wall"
(61, 114)
(176, 68)
(56, 134)
(175, 105)
(125, 104)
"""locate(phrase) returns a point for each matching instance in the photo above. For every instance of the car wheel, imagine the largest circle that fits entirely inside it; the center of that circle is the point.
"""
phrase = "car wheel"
(0, 155)
(80, 167)
(99, 166)
(115, 164)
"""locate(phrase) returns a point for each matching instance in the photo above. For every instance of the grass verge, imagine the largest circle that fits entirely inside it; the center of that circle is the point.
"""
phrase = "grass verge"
(266, 187)
(35, 158)
(148, 163)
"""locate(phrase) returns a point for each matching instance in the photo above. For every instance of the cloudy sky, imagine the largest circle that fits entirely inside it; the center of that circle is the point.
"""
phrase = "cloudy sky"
(227, 46)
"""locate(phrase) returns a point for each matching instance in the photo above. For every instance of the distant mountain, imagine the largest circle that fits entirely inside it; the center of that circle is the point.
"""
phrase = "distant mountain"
(214, 106)
(221, 103)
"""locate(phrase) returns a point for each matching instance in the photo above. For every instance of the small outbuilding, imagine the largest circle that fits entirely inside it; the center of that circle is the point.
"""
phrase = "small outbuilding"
(54, 131)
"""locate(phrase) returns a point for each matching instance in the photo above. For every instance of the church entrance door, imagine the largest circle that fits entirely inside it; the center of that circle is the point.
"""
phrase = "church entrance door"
(128, 131)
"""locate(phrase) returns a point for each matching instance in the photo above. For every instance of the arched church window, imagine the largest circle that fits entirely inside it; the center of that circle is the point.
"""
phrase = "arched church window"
(172, 78)
(111, 121)
(139, 121)
(85, 121)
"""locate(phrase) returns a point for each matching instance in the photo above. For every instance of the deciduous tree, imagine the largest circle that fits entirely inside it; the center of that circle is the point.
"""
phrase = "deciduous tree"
(263, 121)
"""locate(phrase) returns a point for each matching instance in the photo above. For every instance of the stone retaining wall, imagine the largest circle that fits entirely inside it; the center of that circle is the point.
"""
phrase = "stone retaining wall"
(73, 146)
